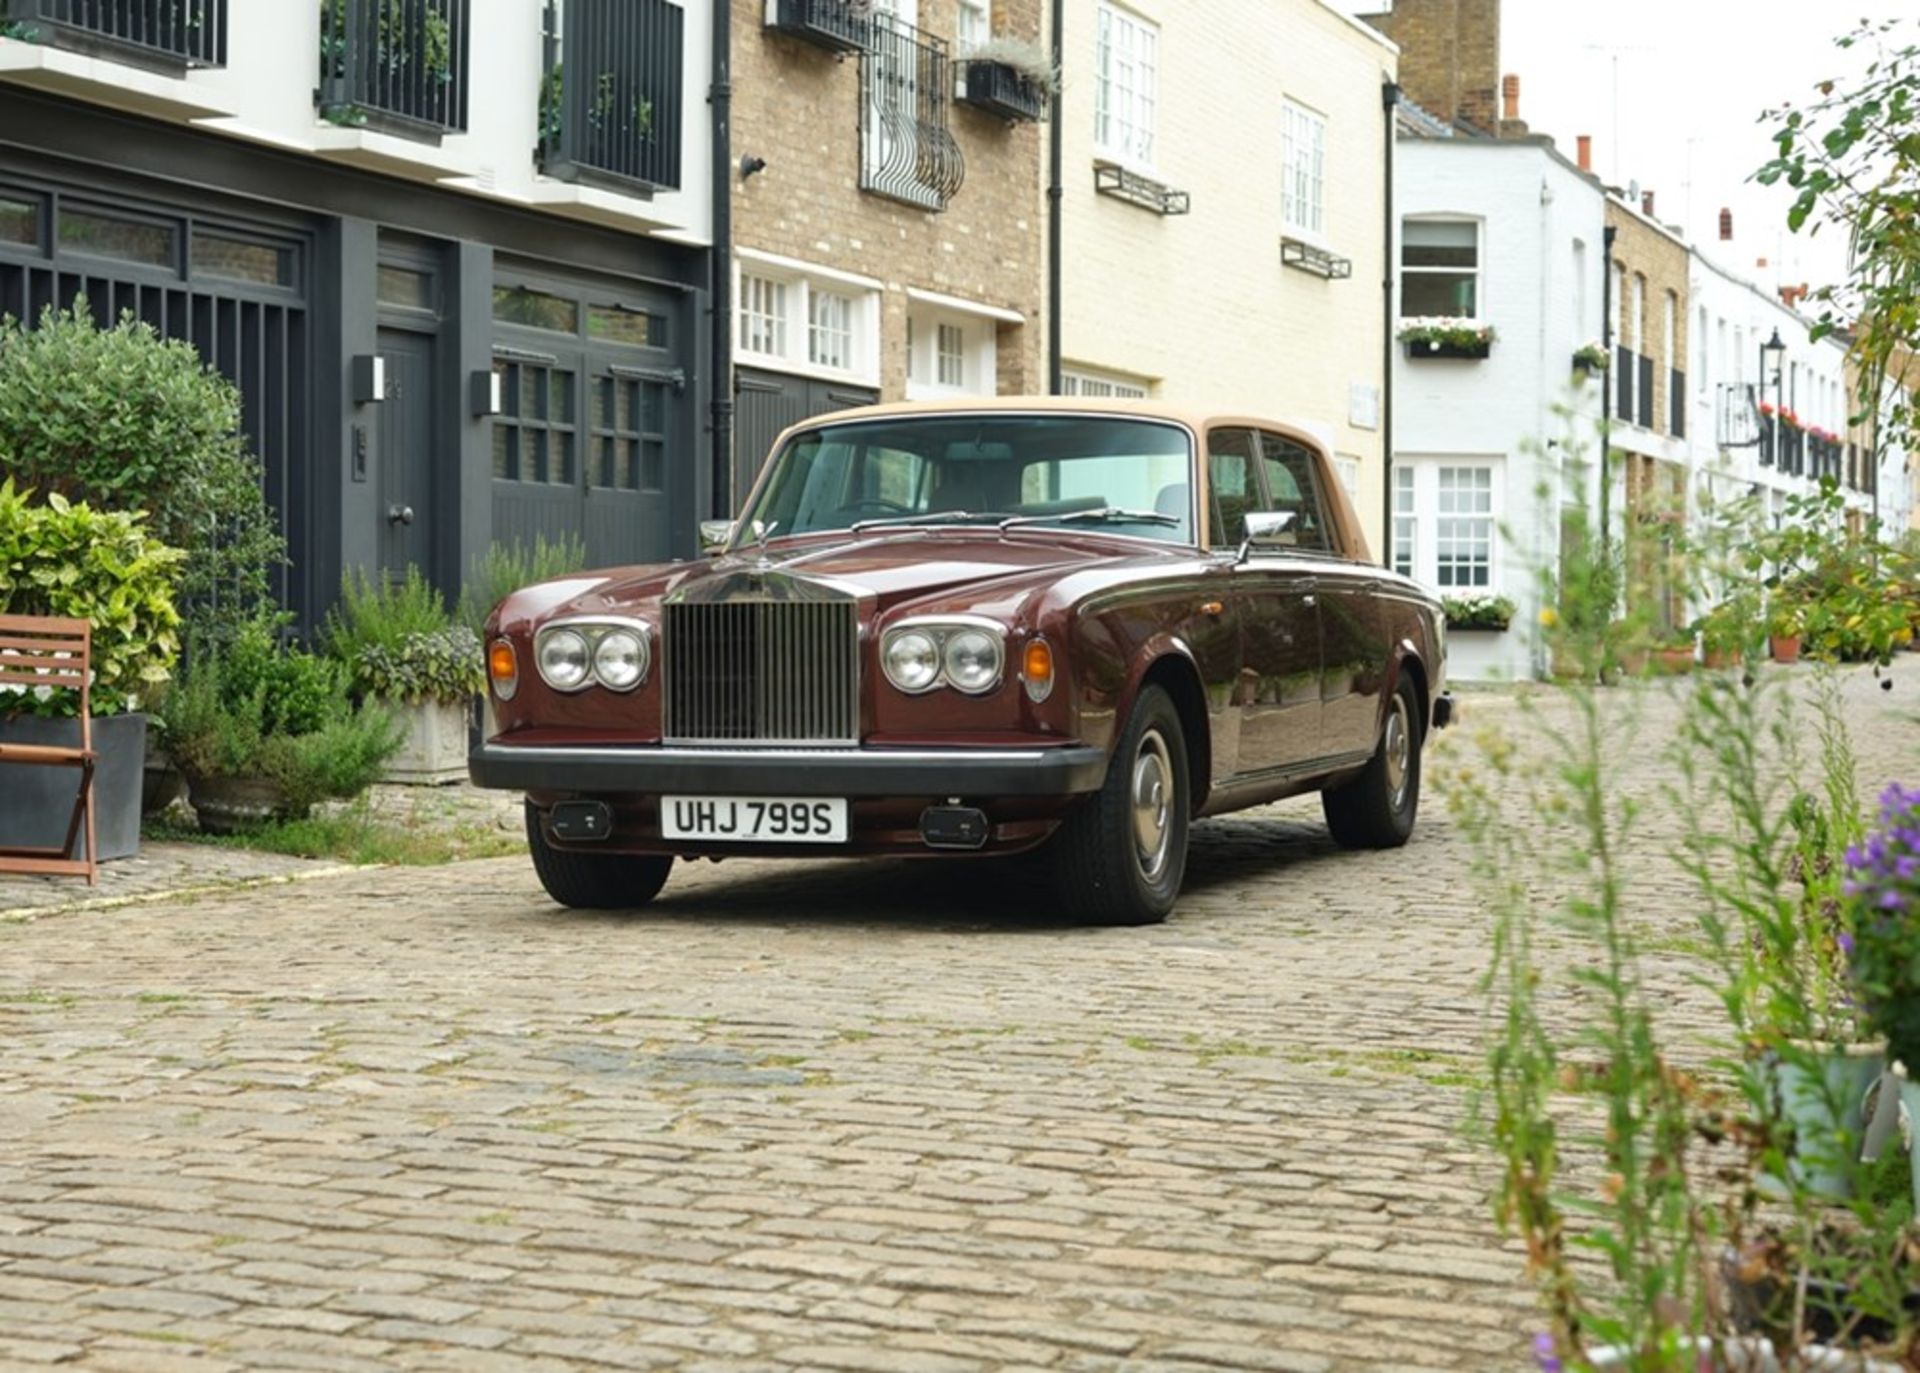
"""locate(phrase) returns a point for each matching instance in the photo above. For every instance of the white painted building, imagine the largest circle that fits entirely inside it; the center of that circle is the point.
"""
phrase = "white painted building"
(1488, 452)
(1736, 445)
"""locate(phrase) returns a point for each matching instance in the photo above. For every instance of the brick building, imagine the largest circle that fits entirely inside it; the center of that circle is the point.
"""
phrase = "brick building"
(1647, 325)
(889, 225)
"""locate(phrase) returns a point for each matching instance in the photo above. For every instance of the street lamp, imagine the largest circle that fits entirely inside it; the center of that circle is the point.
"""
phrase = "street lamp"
(1773, 355)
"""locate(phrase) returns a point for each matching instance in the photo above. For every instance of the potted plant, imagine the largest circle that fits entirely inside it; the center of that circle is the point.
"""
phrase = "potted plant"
(400, 649)
(1590, 359)
(263, 732)
(839, 26)
(1785, 620)
(1007, 76)
(1436, 336)
(66, 559)
(1494, 613)
(1881, 912)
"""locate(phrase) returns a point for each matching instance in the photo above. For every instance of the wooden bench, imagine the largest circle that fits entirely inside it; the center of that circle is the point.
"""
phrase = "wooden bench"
(44, 651)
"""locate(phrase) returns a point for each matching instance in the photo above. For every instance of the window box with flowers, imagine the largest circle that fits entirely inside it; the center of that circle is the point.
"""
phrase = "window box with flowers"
(1439, 337)
(839, 26)
(1492, 613)
(1590, 360)
(1008, 77)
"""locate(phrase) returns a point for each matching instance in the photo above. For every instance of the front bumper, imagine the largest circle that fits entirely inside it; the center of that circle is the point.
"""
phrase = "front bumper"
(651, 770)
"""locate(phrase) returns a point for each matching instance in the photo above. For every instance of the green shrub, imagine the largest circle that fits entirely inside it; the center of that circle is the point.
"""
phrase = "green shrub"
(506, 568)
(258, 710)
(397, 642)
(444, 666)
(125, 420)
(57, 558)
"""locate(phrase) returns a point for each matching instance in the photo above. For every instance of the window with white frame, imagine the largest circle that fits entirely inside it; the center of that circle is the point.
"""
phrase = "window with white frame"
(1405, 520)
(1440, 268)
(1125, 77)
(807, 320)
(1303, 159)
(763, 316)
(1082, 381)
(950, 356)
(972, 25)
(830, 330)
(1463, 527)
(950, 353)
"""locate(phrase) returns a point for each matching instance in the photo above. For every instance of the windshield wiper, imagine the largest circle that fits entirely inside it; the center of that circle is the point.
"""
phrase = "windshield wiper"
(931, 517)
(1106, 514)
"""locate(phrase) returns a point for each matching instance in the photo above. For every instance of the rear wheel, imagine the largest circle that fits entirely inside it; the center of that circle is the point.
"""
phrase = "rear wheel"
(1118, 859)
(1376, 809)
(594, 881)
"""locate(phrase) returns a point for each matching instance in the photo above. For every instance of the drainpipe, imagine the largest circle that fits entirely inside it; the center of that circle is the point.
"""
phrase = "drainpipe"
(721, 365)
(1389, 102)
(1612, 389)
(1056, 194)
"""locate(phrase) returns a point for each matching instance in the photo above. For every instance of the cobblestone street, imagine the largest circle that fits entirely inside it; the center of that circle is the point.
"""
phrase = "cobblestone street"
(828, 1116)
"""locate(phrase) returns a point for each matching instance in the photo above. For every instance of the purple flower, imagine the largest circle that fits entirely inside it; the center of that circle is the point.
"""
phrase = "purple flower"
(1892, 901)
(1546, 1353)
(1846, 943)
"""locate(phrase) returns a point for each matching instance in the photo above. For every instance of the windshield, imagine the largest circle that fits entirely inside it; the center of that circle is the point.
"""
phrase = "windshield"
(1125, 476)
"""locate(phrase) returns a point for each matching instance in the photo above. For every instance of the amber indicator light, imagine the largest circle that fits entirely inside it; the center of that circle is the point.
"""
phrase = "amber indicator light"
(501, 665)
(1038, 665)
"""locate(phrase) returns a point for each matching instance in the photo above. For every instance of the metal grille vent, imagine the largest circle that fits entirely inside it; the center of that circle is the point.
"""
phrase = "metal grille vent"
(762, 672)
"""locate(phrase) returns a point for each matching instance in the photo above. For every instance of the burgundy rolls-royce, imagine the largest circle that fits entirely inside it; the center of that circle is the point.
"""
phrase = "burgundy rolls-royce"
(975, 628)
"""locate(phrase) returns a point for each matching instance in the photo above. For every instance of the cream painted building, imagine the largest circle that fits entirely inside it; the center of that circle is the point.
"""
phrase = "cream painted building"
(1224, 215)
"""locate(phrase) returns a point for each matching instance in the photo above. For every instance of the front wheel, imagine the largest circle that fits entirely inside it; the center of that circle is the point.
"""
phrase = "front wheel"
(594, 881)
(1376, 809)
(1118, 859)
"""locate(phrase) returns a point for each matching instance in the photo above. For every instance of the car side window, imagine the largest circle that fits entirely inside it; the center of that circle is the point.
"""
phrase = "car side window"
(1235, 489)
(1293, 485)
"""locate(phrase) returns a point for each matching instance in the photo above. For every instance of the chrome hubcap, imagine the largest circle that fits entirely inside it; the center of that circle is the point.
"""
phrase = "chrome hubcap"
(1152, 804)
(1399, 749)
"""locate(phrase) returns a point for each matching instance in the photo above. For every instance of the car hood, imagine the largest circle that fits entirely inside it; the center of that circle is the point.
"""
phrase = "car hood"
(890, 569)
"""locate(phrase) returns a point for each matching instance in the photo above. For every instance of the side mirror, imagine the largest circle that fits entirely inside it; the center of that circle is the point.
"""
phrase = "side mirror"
(1263, 525)
(715, 535)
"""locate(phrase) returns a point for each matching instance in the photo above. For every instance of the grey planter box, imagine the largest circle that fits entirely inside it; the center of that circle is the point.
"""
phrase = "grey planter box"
(37, 802)
(435, 750)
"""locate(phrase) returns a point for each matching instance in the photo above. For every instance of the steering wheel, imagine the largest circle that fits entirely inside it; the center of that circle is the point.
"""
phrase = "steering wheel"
(877, 503)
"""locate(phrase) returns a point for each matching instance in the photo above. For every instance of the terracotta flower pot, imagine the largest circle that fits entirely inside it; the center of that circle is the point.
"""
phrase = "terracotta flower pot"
(1674, 662)
(1784, 647)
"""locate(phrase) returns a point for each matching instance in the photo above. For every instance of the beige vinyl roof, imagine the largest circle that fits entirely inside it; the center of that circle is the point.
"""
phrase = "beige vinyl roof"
(1195, 418)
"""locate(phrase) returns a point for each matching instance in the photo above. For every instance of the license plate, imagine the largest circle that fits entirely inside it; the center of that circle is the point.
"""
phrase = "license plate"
(754, 819)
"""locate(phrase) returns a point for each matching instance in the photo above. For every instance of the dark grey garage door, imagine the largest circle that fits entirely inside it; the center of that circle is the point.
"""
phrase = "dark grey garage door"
(766, 403)
(591, 438)
(235, 290)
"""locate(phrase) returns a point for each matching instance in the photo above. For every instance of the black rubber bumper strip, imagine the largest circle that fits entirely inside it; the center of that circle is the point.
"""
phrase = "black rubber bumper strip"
(653, 770)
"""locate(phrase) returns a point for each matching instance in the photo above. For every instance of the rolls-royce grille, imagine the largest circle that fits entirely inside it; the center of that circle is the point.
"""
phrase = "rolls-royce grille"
(762, 671)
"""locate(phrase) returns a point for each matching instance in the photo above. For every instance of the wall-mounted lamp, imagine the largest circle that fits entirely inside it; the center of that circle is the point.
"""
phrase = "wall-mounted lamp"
(484, 390)
(369, 378)
(749, 164)
(1771, 353)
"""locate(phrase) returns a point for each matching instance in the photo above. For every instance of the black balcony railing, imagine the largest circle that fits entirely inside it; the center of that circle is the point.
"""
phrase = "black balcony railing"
(610, 104)
(839, 26)
(907, 151)
(1000, 89)
(1676, 402)
(1769, 440)
(395, 64)
(170, 35)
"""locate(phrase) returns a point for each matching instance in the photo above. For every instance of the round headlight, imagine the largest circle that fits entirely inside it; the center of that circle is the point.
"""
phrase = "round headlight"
(620, 659)
(973, 660)
(912, 660)
(564, 660)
